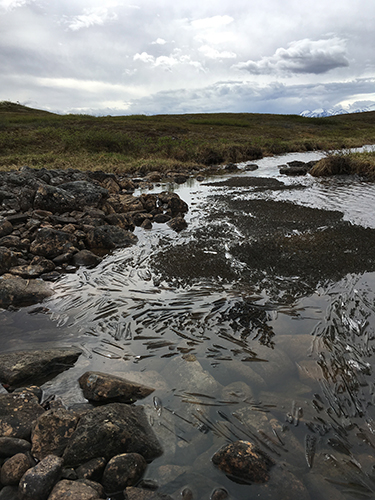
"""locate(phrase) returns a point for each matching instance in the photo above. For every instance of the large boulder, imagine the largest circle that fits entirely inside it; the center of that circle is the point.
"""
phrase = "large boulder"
(111, 430)
(22, 366)
(105, 388)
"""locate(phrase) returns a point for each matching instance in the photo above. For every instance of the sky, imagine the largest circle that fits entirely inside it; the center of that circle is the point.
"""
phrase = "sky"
(114, 57)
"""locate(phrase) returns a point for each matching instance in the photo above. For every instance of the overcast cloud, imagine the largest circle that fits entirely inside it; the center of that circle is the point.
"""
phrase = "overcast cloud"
(170, 56)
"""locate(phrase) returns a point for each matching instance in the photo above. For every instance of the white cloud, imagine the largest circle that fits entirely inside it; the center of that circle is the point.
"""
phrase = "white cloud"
(159, 41)
(13, 4)
(212, 53)
(91, 17)
(214, 22)
(167, 62)
(302, 56)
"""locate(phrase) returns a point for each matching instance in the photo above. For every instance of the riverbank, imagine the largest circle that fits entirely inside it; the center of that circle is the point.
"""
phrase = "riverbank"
(140, 144)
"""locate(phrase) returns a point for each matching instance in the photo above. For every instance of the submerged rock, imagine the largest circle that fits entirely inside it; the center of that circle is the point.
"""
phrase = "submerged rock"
(102, 387)
(21, 366)
(18, 292)
(122, 471)
(243, 462)
(112, 430)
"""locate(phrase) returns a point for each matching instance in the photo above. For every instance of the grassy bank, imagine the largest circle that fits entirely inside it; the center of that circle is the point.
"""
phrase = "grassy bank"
(163, 142)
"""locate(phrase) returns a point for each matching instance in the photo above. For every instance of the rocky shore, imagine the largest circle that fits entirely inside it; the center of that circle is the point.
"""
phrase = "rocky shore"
(52, 221)
(97, 450)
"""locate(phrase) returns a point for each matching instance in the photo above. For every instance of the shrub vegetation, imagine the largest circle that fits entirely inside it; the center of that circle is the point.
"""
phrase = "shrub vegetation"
(127, 143)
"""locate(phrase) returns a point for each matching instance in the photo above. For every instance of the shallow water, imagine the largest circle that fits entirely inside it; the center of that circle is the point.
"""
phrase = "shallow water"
(233, 350)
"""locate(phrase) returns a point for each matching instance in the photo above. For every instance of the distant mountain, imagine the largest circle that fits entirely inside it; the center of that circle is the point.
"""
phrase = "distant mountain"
(320, 112)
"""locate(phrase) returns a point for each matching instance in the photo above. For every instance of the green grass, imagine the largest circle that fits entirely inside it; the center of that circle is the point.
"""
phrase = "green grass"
(164, 142)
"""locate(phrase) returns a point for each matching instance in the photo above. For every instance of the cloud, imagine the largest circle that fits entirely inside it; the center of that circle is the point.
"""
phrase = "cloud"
(212, 53)
(159, 41)
(13, 4)
(167, 62)
(213, 22)
(90, 17)
(302, 56)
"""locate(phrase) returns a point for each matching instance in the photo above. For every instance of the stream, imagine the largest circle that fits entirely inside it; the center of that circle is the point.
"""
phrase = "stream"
(257, 322)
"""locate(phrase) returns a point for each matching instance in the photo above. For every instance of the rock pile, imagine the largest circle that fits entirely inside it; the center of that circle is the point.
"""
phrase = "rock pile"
(52, 221)
(50, 452)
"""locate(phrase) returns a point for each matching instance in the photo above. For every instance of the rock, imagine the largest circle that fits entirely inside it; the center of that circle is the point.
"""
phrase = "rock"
(93, 469)
(37, 482)
(52, 431)
(251, 167)
(51, 242)
(86, 258)
(86, 193)
(10, 446)
(133, 493)
(189, 375)
(102, 387)
(219, 494)
(7, 259)
(122, 471)
(161, 218)
(20, 366)
(5, 228)
(10, 493)
(173, 202)
(17, 414)
(14, 468)
(109, 237)
(73, 490)
(111, 430)
(177, 224)
(54, 199)
(243, 462)
(120, 220)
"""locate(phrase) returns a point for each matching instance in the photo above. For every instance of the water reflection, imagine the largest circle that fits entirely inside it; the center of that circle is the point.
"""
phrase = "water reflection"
(236, 348)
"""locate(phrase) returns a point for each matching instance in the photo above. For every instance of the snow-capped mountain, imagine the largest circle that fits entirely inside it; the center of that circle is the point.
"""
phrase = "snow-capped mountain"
(320, 112)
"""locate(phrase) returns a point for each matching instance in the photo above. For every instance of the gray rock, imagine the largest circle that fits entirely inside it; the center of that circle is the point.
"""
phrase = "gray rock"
(86, 193)
(10, 493)
(52, 431)
(102, 387)
(10, 446)
(122, 471)
(37, 482)
(86, 258)
(14, 468)
(20, 366)
(54, 199)
(109, 237)
(17, 414)
(111, 430)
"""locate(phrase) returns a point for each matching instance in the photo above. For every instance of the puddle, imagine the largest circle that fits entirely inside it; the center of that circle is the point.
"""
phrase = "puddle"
(257, 322)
